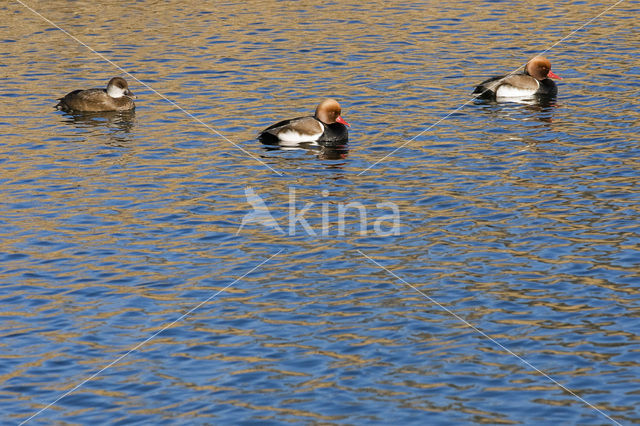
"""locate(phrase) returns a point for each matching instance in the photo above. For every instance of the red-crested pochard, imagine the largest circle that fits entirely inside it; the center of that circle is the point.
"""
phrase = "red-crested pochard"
(116, 97)
(535, 80)
(326, 125)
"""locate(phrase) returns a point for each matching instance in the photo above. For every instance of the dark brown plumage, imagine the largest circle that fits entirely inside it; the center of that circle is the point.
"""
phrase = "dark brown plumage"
(116, 97)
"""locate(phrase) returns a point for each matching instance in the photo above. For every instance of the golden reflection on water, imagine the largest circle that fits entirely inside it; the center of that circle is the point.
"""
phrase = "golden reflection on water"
(124, 223)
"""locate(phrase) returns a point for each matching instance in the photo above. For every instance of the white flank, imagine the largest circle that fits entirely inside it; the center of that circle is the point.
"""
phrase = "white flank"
(292, 137)
(507, 91)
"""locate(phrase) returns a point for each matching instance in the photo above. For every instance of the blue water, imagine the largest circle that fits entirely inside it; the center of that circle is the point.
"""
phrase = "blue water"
(131, 292)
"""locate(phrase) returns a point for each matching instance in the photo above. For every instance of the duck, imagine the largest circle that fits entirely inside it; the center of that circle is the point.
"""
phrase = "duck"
(534, 80)
(116, 97)
(325, 126)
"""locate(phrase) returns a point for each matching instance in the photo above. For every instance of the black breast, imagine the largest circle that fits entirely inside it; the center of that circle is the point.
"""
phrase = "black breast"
(547, 88)
(336, 132)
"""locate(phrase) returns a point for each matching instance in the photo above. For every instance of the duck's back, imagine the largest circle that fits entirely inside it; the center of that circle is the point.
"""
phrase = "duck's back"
(515, 85)
(487, 88)
(295, 130)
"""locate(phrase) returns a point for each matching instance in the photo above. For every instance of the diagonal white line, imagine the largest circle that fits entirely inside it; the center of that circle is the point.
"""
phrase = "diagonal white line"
(581, 27)
(148, 339)
(480, 94)
(486, 336)
(104, 58)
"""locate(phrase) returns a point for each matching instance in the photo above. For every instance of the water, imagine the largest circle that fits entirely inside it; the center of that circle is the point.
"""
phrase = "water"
(518, 221)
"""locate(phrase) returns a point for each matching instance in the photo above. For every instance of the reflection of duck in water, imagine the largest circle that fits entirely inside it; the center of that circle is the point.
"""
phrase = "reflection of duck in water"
(534, 81)
(326, 125)
(120, 120)
(323, 151)
(333, 152)
(116, 97)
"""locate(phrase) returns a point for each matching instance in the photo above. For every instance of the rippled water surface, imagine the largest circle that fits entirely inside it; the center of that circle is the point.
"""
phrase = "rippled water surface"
(130, 292)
